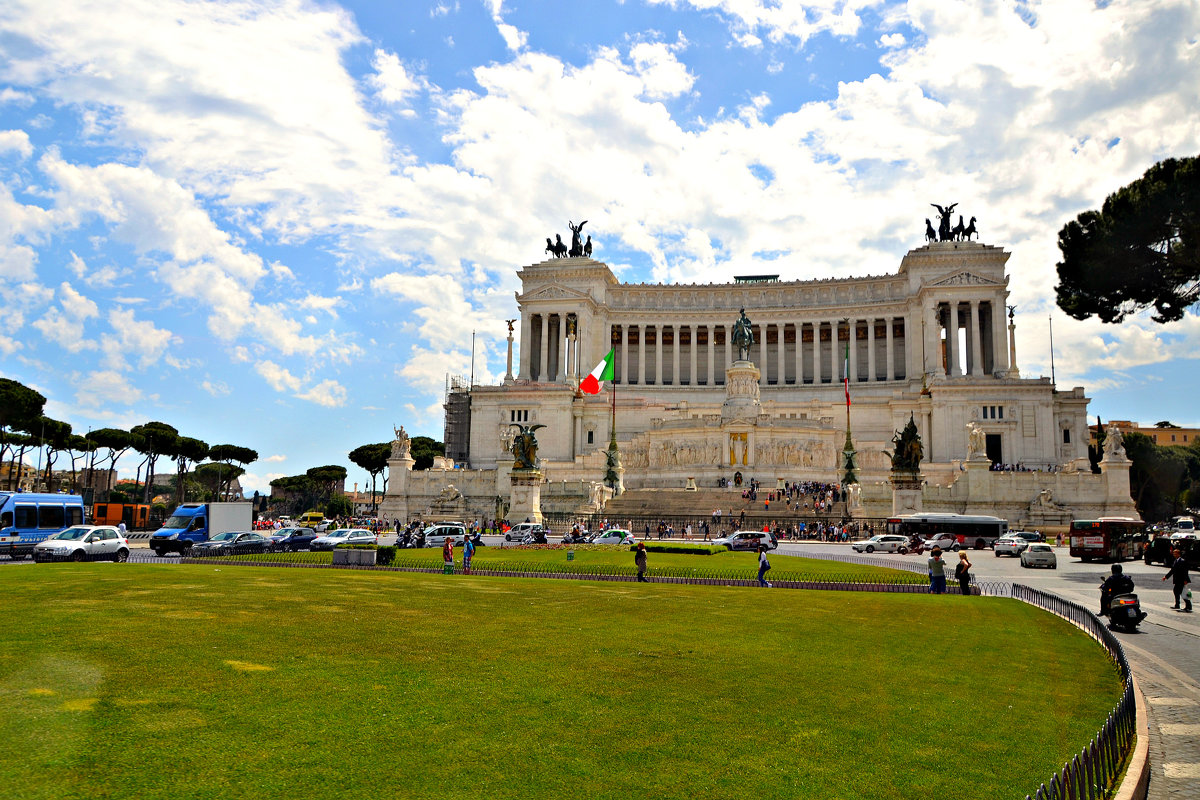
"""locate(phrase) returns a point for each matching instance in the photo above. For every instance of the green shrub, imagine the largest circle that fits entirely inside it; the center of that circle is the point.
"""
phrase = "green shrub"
(358, 547)
(385, 555)
(689, 549)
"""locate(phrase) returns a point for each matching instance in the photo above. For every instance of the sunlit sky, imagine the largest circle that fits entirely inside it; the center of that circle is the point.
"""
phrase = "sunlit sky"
(276, 224)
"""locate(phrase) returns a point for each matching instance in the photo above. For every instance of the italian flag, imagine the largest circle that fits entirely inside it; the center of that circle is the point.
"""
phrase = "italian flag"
(846, 372)
(603, 372)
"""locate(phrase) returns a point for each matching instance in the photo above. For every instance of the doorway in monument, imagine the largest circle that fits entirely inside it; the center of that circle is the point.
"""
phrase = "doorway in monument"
(995, 451)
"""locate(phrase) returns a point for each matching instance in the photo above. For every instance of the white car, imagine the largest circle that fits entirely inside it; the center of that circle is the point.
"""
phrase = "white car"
(518, 532)
(1039, 554)
(343, 536)
(1010, 546)
(436, 535)
(883, 543)
(83, 543)
(613, 536)
(946, 541)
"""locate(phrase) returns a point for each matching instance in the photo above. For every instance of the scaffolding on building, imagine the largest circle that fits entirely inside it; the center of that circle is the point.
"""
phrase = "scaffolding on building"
(457, 407)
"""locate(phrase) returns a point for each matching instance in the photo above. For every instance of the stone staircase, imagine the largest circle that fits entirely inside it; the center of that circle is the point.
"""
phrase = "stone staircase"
(643, 503)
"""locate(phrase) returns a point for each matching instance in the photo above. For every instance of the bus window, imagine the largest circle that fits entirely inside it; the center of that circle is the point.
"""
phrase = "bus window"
(51, 517)
(74, 516)
(26, 517)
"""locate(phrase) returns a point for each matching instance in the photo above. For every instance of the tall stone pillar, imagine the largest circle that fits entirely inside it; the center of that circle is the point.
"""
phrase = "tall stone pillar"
(932, 356)
(890, 358)
(1013, 371)
(675, 345)
(835, 369)
(870, 349)
(852, 342)
(816, 352)
(544, 362)
(560, 343)
(710, 375)
(976, 347)
(799, 352)
(694, 341)
(526, 355)
(999, 342)
(659, 355)
(642, 354)
(779, 353)
(395, 503)
(508, 375)
(624, 353)
(763, 359)
(952, 341)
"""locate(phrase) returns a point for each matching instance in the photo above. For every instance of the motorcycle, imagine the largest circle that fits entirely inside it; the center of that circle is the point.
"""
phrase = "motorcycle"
(1122, 609)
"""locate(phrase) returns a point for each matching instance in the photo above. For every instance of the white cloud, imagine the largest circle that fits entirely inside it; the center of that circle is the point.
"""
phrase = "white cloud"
(64, 325)
(216, 389)
(784, 20)
(105, 387)
(133, 337)
(391, 80)
(275, 459)
(662, 74)
(892, 40)
(326, 304)
(279, 378)
(327, 393)
(11, 95)
(16, 142)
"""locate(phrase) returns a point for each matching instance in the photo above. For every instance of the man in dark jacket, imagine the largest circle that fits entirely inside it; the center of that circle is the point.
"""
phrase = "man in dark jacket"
(639, 558)
(1179, 575)
(1115, 584)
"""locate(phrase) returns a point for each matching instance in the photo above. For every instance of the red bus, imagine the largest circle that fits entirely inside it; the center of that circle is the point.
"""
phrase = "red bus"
(1107, 539)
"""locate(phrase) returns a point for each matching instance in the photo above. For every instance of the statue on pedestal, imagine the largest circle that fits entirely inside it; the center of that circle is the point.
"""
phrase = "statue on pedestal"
(1114, 443)
(743, 336)
(976, 442)
(909, 451)
(524, 446)
(401, 445)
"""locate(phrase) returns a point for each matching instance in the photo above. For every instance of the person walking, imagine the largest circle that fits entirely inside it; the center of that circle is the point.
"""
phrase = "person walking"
(1179, 575)
(763, 566)
(639, 558)
(962, 571)
(468, 553)
(121, 529)
(937, 573)
(448, 554)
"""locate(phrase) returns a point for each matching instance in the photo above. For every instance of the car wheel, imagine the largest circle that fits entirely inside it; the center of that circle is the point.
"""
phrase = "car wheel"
(902, 551)
(77, 556)
(955, 547)
(122, 555)
(870, 549)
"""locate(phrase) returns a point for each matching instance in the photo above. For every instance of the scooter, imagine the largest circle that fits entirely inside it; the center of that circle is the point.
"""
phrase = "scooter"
(1124, 611)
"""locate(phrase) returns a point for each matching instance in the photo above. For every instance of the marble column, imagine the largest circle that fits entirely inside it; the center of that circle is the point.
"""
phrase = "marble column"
(763, 359)
(835, 369)
(816, 352)
(642, 354)
(976, 348)
(932, 361)
(572, 355)
(560, 368)
(891, 347)
(544, 362)
(675, 337)
(710, 376)
(625, 353)
(799, 353)
(526, 355)
(853, 344)
(658, 355)
(871, 350)
(695, 343)
(952, 337)
(999, 342)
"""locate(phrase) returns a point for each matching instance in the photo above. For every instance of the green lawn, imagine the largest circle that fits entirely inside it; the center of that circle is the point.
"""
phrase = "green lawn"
(211, 681)
(610, 559)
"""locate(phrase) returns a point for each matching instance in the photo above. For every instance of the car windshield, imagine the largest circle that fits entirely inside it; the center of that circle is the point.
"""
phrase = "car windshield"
(177, 522)
(224, 537)
(341, 533)
(1039, 548)
(71, 534)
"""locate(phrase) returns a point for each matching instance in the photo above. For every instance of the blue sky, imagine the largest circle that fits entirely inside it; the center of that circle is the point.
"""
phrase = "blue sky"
(276, 224)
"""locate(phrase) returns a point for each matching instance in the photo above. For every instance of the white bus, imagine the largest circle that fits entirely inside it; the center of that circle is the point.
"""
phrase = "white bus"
(968, 531)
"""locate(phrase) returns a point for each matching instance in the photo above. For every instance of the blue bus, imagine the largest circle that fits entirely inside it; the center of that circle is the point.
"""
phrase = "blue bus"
(27, 518)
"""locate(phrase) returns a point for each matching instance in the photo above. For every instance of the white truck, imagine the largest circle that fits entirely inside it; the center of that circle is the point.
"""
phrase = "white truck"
(198, 522)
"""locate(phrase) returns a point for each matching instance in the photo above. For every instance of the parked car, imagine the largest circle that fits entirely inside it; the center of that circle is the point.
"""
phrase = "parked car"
(231, 543)
(1029, 536)
(612, 536)
(518, 533)
(1039, 554)
(748, 540)
(291, 539)
(1010, 546)
(436, 535)
(883, 543)
(83, 543)
(343, 536)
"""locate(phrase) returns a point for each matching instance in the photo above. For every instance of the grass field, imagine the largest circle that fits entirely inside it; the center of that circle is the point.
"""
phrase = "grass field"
(723, 562)
(209, 681)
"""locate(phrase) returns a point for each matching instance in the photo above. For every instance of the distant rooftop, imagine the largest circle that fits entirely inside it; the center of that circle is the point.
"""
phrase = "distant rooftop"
(756, 279)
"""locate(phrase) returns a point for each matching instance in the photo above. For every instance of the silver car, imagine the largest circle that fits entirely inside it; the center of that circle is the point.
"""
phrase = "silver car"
(83, 543)
(1039, 554)
(343, 536)
(1010, 546)
(884, 543)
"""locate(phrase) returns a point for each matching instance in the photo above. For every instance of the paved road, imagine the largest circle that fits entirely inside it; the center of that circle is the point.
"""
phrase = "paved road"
(1164, 653)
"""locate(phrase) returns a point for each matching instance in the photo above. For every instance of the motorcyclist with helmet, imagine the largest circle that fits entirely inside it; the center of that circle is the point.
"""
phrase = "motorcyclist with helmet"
(1116, 584)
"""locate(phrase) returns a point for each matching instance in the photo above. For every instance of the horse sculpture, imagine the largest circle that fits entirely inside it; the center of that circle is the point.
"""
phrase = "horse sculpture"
(969, 231)
(957, 232)
(587, 246)
(557, 249)
(930, 233)
(743, 336)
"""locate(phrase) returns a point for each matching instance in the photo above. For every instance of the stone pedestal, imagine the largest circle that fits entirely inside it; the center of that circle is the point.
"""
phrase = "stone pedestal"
(742, 395)
(1115, 470)
(525, 501)
(906, 492)
(980, 499)
(395, 500)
